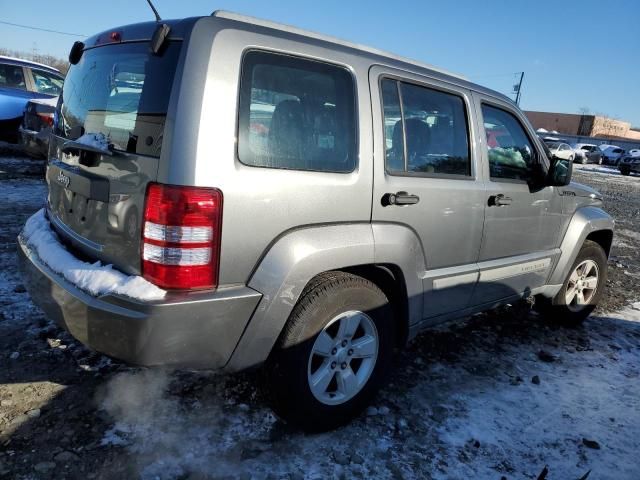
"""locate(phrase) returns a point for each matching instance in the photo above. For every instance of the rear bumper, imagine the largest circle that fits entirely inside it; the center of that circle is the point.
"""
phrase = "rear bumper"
(35, 143)
(192, 330)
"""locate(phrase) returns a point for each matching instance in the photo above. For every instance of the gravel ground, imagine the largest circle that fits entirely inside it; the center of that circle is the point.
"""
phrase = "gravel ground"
(503, 395)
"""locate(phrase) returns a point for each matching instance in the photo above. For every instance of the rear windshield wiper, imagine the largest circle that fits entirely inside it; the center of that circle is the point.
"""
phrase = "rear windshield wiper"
(90, 142)
(71, 145)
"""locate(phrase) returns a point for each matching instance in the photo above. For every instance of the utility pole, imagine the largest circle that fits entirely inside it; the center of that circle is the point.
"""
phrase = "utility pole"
(517, 88)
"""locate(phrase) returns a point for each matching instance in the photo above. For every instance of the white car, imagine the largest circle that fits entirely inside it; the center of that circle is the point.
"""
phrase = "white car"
(611, 154)
(561, 150)
(587, 153)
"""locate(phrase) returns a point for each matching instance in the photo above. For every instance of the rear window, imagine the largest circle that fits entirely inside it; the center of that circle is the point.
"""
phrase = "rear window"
(296, 114)
(121, 91)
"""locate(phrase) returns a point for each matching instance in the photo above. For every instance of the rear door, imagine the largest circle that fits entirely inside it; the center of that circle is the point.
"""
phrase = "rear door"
(522, 224)
(115, 98)
(425, 179)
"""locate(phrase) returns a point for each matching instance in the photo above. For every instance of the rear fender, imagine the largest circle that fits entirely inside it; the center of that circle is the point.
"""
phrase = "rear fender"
(298, 256)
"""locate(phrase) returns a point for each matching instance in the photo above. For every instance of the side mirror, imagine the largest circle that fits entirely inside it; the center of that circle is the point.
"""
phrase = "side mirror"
(560, 172)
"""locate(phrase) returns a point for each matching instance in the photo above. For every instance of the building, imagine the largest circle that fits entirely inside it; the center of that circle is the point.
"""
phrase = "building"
(583, 125)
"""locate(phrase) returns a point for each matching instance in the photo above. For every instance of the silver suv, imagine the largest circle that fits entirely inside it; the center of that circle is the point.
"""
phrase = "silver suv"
(226, 192)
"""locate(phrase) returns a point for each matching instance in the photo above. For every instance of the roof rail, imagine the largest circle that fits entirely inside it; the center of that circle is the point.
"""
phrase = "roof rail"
(327, 38)
(31, 62)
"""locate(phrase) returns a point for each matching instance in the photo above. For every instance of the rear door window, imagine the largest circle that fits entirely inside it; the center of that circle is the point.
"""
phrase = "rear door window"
(426, 130)
(296, 114)
(46, 82)
(12, 76)
(121, 91)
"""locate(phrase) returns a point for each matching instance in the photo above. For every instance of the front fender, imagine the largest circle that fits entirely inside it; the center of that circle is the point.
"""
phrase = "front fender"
(585, 221)
(298, 256)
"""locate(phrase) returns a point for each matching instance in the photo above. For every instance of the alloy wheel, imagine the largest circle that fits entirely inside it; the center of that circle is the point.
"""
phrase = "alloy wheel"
(343, 358)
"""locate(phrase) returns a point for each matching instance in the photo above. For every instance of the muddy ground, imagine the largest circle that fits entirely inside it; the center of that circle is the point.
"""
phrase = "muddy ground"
(503, 395)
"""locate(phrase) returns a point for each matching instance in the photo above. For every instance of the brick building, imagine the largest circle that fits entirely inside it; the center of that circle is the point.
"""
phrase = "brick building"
(583, 125)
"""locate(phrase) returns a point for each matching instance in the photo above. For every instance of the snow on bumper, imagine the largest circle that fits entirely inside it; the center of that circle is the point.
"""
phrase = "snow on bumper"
(93, 278)
(96, 304)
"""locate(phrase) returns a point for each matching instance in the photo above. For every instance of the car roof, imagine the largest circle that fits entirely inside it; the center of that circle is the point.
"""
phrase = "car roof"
(373, 53)
(27, 63)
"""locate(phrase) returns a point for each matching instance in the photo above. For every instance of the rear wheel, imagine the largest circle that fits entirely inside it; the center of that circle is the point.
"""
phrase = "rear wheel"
(582, 288)
(333, 354)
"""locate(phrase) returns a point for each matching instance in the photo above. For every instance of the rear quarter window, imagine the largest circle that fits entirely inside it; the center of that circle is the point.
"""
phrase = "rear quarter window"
(296, 114)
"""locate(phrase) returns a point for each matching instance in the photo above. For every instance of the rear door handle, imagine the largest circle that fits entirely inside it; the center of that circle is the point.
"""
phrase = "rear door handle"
(399, 198)
(499, 200)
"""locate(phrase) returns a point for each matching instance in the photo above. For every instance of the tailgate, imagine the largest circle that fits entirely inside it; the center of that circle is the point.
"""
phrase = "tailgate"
(106, 149)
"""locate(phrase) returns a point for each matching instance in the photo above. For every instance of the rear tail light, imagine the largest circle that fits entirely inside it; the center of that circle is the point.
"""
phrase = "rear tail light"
(47, 118)
(181, 236)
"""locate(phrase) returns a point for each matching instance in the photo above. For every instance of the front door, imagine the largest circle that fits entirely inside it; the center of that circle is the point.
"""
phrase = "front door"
(522, 223)
(425, 180)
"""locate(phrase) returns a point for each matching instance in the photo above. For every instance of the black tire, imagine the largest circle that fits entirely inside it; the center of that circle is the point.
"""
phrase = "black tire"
(625, 170)
(556, 309)
(286, 372)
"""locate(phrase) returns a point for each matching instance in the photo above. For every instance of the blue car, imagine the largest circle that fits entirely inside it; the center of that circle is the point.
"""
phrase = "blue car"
(21, 81)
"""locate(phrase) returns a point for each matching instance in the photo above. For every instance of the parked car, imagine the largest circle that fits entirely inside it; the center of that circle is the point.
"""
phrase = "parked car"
(630, 162)
(20, 81)
(611, 154)
(587, 153)
(37, 122)
(561, 150)
(289, 219)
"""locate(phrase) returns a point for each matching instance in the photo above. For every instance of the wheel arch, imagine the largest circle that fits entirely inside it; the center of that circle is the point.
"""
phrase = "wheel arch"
(298, 257)
(588, 223)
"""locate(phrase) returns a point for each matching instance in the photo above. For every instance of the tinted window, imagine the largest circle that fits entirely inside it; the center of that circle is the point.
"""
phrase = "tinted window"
(121, 91)
(296, 114)
(47, 82)
(509, 149)
(11, 76)
(431, 135)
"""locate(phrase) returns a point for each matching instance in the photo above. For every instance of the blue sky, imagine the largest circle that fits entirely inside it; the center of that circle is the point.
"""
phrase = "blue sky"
(574, 54)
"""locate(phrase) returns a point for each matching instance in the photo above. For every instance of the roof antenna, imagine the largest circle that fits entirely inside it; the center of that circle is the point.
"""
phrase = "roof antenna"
(155, 12)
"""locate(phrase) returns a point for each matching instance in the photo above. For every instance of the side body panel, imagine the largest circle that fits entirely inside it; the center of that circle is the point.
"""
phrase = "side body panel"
(448, 218)
(520, 240)
(260, 204)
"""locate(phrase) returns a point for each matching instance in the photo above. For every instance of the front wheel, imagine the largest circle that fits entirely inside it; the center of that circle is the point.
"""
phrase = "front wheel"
(625, 170)
(333, 354)
(582, 288)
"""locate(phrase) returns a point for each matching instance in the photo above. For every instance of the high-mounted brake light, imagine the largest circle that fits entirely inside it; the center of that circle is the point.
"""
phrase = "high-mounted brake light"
(181, 236)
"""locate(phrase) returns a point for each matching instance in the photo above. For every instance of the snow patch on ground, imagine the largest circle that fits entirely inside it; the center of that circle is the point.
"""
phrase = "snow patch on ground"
(597, 169)
(478, 416)
(97, 279)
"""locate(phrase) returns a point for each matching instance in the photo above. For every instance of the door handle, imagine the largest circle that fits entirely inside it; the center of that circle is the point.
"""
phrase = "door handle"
(399, 198)
(499, 200)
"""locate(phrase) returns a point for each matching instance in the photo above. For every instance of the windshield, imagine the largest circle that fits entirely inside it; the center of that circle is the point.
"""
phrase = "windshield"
(121, 91)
